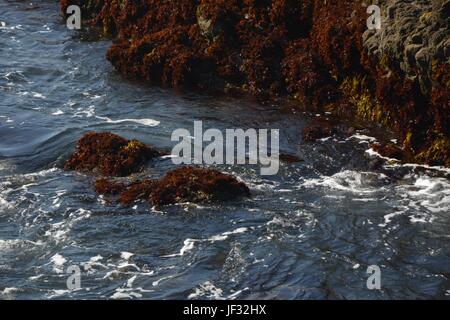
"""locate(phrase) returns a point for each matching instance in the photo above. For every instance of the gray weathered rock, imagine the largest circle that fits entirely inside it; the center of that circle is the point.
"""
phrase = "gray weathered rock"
(415, 34)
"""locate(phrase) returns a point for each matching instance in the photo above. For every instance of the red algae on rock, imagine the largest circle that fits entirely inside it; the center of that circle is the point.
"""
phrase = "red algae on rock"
(319, 53)
(189, 184)
(109, 154)
(317, 129)
(107, 187)
(186, 184)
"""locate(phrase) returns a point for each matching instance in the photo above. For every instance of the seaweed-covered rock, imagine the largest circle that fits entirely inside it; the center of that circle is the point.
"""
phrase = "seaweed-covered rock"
(109, 154)
(320, 53)
(186, 184)
(108, 187)
(189, 184)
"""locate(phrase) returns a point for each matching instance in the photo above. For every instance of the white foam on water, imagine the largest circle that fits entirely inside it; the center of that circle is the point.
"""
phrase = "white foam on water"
(59, 231)
(128, 267)
(57, 293)
(421, 218)
(126, 255)
(428, 197)
(388, 217)
(145, 122)
(189, 243)
(432, 193)
(280, 221)
(364, 138)
(262, 185)
(58, 112)
(123, 295)
(38, 95)
(10, 290)
(207, 290)
(58, 262)
(350, 181)
(157, 282)
(129, 293)
(395, 163)
(88, 113)
(93, 262)
(131, 281)
(225, 235)
(18, 244)
(364, 199)
(4, 204)
(32, 278)
(234, 295)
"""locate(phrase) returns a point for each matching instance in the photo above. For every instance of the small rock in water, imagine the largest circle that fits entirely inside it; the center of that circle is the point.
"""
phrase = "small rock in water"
(110, 155)
(186, 184)
(189, 184)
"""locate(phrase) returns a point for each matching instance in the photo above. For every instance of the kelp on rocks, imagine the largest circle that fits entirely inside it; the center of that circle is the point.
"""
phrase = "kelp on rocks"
(186, 184)
(318, 53)
(109, 154)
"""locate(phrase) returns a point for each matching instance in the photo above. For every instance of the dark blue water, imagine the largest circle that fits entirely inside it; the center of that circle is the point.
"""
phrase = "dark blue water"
(309, 232)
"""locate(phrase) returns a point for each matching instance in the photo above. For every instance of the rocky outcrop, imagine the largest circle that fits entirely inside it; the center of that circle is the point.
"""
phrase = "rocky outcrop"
(318, 53)
(409, 75)
(109, 155)
(186, 184)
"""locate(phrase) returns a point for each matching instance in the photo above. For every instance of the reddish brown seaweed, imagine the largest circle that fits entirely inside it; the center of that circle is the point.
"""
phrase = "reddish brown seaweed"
(109, 154)
(186, 184)
(317, 52)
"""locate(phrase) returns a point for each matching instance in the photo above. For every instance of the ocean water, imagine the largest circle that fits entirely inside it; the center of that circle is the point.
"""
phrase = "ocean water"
(309, 232)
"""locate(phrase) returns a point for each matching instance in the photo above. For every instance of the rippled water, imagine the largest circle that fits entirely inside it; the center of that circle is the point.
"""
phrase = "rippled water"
(309, 232)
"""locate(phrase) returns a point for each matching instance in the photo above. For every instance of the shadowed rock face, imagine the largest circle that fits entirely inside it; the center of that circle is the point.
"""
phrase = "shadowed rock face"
(316, 52)
(110, 155)
(317, 130)
(186, 184)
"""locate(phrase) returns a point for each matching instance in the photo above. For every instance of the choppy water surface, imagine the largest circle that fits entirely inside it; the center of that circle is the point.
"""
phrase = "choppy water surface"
(309, 232)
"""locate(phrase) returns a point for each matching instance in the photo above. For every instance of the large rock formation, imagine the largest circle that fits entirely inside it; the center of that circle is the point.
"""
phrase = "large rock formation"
(317, 52)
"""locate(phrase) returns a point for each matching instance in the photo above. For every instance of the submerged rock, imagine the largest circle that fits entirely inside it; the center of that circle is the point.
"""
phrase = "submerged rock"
(186, 184)
(109, 154)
